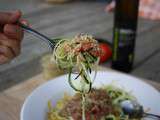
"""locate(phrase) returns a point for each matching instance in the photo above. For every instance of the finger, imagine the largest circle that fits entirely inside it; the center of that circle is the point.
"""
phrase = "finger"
(14, 45)
(13, 31)
(3, 59)
(11, 17)
(7, 52)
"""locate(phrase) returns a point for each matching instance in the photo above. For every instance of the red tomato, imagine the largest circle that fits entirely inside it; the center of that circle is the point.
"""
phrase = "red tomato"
(106, 52)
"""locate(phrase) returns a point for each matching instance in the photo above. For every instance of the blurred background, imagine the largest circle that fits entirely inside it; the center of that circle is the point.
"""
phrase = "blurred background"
(66, 18)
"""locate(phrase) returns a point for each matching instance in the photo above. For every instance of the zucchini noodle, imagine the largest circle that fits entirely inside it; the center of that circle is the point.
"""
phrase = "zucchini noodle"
(118, 95)
(114, 94)
(79, 56)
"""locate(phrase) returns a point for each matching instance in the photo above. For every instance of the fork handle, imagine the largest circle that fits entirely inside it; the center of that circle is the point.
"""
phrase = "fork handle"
(152, 115)
(37, 34)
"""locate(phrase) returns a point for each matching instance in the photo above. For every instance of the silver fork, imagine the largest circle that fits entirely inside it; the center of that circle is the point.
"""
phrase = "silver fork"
(41, 36)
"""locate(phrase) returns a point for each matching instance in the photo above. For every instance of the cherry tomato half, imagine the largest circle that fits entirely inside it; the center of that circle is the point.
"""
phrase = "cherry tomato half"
(106, 52)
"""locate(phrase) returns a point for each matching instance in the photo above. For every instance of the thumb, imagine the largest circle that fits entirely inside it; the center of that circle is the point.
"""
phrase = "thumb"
(9, 17)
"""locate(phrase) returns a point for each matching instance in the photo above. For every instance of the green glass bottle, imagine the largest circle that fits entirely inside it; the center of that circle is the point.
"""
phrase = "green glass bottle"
(124, 34)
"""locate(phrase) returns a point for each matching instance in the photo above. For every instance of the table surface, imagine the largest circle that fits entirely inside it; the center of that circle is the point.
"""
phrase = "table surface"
(11, 100)
(69, 19)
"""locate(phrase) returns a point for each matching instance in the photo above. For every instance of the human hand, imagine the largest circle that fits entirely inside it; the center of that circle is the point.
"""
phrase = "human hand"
(11, 36)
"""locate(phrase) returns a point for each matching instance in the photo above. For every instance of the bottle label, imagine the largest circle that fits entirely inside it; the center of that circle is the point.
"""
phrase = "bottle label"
(123, 45)
(126, 37)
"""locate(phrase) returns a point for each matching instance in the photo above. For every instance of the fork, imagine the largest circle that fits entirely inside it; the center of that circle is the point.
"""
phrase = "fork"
(52, 42)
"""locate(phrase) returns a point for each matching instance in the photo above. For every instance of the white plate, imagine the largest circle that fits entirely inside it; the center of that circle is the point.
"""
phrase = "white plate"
(35, 106)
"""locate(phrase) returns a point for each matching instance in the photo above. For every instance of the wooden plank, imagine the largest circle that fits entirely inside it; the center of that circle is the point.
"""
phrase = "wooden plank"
(22, 90)
(26, 7)
(68, 20)
(147, 44)
(19, 73)
(9, 107)
(93, 25)
(144, 27)
(150, 69)
(65, 13)
(11, 100)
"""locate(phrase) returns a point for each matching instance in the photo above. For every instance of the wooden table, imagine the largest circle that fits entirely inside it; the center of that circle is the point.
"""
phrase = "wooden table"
(11, 100)
(69, 19)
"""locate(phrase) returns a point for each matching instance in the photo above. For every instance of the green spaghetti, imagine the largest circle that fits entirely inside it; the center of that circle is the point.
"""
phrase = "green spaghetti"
(79, 57)
(101, 104)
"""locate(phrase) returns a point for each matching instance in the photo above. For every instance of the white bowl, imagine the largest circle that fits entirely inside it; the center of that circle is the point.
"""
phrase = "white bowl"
(35, 106)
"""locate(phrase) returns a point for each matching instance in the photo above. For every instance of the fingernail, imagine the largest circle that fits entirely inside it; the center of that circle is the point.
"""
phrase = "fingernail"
(9, 29)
